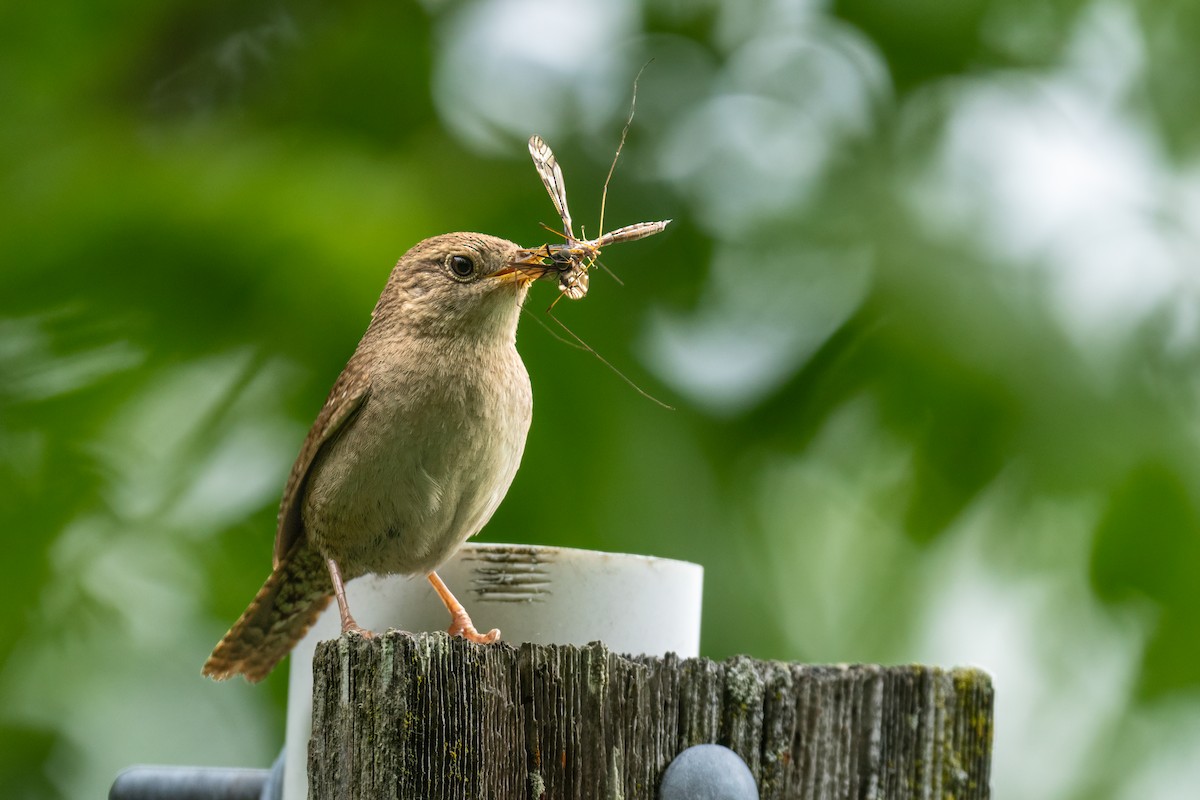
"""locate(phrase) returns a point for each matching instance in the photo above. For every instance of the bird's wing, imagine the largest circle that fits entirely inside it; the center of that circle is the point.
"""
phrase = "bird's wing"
(347, 396)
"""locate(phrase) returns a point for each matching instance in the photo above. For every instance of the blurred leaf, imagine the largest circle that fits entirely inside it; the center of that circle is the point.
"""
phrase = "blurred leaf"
(25, 746)
(1146, 549)
(926, 41)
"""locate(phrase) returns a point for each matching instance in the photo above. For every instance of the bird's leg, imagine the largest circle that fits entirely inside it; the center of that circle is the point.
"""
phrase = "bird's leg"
(339, 591)
(460, 623)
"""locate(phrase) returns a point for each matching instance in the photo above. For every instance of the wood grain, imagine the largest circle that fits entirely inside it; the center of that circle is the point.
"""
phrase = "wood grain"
(428, 716)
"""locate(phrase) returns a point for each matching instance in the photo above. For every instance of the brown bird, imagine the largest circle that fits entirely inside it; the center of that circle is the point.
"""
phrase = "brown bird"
(414, 449)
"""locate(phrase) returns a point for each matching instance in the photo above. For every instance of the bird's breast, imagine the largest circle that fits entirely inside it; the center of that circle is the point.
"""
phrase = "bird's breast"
(424, 464)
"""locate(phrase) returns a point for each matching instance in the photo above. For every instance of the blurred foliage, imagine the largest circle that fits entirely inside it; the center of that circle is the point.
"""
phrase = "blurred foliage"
(928, 315)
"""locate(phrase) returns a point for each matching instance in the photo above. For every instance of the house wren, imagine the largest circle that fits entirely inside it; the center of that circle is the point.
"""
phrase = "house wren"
(413, 451)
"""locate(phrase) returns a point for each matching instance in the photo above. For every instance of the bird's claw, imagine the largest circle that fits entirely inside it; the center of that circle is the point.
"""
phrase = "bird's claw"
(462, 626)
(354, 629)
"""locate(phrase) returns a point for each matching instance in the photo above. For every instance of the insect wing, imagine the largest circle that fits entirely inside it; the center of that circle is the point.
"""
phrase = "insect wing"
(552, 177)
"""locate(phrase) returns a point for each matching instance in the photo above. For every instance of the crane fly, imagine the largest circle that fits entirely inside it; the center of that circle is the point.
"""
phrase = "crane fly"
(574, 257)
(571, 259)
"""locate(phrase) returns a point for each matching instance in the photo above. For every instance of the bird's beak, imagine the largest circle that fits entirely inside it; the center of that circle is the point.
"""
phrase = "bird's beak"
(526, 266)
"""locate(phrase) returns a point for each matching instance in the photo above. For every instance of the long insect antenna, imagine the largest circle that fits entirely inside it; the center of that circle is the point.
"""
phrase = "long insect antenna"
(597, 262)
(550, 307)
(620, 145)
(557, 233)
(608, 364)
(551, 331)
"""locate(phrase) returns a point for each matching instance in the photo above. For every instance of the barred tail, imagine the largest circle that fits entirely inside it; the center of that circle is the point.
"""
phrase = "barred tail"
(296, 592)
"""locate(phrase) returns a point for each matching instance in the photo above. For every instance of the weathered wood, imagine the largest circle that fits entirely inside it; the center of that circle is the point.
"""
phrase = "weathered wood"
(432, 717)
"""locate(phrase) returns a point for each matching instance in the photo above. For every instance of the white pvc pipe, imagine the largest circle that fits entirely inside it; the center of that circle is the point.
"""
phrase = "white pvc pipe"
(546, 595)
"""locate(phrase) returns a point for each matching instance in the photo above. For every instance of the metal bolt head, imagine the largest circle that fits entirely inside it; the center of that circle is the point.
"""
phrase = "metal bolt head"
(708, 772)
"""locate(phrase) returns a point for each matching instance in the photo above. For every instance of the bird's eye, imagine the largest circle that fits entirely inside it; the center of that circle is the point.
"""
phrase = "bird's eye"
(461, 267)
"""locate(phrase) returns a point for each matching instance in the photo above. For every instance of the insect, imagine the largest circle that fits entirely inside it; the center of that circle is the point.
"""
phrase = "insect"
(574, 257)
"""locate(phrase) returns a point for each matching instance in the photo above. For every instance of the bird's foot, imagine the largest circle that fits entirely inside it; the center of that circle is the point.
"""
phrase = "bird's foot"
(339, 592)
(354, 629)
(460, 621)
(462, 626)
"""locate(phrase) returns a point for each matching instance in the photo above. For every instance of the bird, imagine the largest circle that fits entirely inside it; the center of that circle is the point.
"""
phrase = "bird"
(412, 452)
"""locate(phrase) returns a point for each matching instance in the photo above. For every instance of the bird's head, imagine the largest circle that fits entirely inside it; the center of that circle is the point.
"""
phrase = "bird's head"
(459, 284)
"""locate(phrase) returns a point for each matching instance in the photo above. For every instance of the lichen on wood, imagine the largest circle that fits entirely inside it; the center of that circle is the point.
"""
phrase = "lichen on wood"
(428, 716)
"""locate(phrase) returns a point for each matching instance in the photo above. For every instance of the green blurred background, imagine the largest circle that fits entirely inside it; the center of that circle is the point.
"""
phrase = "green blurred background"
(928, 316)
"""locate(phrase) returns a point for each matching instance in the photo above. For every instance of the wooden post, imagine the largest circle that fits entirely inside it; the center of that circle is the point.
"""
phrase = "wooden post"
(427, 716)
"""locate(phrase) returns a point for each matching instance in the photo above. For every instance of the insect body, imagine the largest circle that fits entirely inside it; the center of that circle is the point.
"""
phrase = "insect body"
(574, 257)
